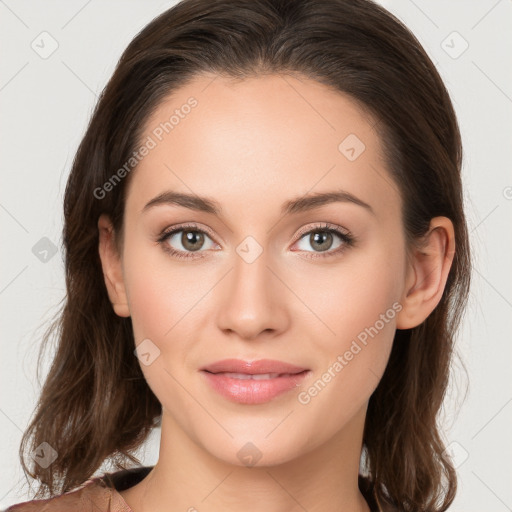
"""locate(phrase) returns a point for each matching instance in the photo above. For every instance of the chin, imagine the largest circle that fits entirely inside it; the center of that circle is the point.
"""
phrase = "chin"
(258, 450)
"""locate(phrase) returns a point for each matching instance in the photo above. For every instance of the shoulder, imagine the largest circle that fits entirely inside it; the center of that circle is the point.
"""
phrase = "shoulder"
(91, 496)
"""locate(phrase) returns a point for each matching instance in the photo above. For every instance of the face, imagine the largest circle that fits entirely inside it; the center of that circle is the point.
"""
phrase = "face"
(317, 285)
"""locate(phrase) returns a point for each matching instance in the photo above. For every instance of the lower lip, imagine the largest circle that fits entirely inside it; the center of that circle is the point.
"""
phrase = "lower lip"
(249, 391)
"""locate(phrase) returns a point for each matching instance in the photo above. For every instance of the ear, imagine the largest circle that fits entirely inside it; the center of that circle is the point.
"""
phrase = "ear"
(429, 265)
(112, 268)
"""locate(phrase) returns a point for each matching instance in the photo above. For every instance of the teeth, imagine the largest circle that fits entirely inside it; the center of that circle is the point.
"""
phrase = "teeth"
(245, 376)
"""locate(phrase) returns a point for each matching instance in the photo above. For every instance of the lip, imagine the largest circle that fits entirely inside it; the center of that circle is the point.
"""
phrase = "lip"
(248, 390)
(252, 367)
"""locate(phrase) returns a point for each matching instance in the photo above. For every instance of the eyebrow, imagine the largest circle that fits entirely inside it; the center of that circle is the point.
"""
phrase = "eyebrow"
(293, 206)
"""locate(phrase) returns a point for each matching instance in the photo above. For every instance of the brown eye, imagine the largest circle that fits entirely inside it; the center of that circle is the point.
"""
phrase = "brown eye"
(192, 240)
(183, 241)
(322, 239)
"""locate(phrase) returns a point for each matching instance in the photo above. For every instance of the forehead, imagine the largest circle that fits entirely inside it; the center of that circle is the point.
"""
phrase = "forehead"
(258, 141)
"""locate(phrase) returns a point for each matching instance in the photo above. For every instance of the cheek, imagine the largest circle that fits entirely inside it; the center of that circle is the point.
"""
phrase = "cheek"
(352, 296)
(168, 303)
(161, 297)
(357, 305)
(153, 290)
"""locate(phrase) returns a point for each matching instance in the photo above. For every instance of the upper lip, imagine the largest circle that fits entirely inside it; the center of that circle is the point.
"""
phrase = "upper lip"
(252, 367)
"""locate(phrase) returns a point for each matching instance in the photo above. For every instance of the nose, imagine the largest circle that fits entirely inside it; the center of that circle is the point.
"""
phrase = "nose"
(252, 300)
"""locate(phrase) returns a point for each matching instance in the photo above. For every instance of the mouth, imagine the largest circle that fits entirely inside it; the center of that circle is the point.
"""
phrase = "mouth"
(253, 383)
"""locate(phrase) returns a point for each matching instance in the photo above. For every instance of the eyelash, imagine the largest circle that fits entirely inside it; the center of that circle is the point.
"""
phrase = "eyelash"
(347, 238)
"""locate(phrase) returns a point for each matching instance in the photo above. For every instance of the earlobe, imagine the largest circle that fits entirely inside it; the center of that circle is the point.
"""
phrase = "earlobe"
(112, 269)
(428, 271)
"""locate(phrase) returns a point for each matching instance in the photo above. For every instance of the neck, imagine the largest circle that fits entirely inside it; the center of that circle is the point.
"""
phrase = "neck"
(191, 479)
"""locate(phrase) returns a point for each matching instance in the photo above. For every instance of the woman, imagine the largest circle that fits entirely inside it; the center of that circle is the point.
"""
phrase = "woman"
(309, 153)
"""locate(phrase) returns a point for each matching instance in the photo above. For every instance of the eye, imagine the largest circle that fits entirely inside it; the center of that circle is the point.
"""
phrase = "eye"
(190, 239)
(322, 238)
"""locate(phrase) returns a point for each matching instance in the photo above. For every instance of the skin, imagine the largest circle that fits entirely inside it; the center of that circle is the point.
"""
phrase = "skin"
(252, 145)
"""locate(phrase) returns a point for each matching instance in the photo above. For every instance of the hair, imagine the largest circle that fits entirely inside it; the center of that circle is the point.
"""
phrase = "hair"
(95, 404)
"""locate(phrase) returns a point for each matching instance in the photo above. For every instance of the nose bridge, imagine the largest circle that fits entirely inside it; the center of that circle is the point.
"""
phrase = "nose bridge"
(251, 276)
(251, 300)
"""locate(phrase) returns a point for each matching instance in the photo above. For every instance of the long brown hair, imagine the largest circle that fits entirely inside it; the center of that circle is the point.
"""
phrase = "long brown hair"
(95, 404)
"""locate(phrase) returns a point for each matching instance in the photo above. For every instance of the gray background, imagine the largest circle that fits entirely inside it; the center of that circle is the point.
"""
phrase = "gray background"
(46, 101)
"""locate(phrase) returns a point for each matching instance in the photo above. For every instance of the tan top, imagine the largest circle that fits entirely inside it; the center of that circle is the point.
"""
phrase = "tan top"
(100, 494)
